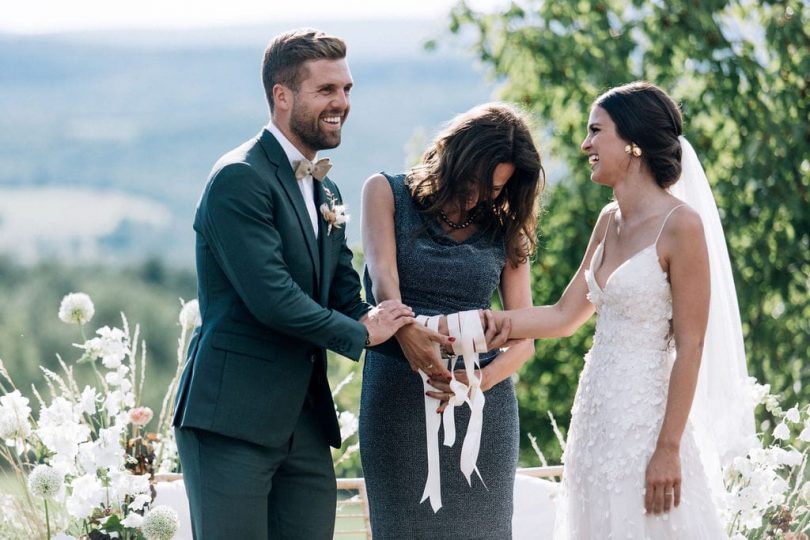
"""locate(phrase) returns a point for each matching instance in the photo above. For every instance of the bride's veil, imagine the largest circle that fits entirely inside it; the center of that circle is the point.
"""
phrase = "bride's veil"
(722, 412)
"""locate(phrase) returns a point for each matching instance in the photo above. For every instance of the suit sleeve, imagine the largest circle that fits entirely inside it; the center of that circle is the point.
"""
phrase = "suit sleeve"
(237, 220)
(344, 293)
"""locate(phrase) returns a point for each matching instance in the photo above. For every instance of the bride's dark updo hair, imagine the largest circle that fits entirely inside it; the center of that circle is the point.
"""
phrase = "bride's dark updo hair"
(644, 114)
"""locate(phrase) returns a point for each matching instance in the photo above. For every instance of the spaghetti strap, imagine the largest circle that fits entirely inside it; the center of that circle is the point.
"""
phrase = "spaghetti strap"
(607, 229)
(663, 223)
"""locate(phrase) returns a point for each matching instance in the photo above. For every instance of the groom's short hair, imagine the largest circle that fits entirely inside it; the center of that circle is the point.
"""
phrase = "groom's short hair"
(287, 52)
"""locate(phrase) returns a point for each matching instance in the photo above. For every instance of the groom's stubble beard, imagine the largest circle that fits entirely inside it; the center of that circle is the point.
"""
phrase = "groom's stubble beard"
(306, 126)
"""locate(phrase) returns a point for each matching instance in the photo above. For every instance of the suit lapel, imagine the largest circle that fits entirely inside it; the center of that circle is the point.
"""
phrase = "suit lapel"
(324, 242)
(286, 178)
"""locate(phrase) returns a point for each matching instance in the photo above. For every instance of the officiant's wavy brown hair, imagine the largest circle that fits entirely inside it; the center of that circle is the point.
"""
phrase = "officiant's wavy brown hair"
(286, 54)
(464, 156)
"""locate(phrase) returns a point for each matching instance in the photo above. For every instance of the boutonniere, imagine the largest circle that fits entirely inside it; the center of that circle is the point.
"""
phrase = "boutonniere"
(334, 214)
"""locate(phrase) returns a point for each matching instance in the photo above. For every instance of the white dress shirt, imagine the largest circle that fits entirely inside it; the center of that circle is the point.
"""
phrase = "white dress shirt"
(305, 184)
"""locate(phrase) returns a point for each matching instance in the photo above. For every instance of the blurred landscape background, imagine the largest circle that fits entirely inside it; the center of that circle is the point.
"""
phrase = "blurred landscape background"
(106, 139)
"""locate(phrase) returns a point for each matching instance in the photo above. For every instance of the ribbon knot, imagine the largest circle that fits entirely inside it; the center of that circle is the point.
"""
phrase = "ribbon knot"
(466, 328)
(318, 170)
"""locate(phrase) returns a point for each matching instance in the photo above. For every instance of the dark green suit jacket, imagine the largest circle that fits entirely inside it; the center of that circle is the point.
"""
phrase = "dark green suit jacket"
(272, 299)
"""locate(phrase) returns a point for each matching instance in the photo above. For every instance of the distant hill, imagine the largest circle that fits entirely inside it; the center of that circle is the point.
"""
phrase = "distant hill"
(144, 115)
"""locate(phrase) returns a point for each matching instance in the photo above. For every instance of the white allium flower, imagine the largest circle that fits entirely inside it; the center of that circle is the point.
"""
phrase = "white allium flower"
(76, 308)
(14, 413)
(44, 481)
(87, 493)
(793, 414)
(133, 520)
(190, 315)
(782, 431)
(160, 523)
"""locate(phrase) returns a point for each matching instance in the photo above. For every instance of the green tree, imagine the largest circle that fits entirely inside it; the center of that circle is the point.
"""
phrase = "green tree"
(740, 71)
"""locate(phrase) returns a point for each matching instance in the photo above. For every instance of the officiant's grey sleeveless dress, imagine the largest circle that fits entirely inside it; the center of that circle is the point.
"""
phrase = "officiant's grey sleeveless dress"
(437, 275)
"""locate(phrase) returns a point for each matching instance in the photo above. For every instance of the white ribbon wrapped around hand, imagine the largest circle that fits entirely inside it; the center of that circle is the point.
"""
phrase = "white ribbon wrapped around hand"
(466, 328)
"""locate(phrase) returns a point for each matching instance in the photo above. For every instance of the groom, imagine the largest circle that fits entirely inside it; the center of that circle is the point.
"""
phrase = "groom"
(254, 416)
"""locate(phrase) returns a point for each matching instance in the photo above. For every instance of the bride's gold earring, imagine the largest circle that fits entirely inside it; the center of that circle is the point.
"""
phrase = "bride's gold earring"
(633, 149)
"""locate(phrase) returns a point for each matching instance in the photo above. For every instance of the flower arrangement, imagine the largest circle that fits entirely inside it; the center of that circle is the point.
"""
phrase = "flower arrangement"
(768, 490)
(334, 214)
(87, 464)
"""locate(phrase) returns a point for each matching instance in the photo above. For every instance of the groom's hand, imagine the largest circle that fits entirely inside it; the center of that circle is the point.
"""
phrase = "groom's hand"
(383, 320)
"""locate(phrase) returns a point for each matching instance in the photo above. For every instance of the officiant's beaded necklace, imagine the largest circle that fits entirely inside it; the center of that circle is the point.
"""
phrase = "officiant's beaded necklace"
(471, 217)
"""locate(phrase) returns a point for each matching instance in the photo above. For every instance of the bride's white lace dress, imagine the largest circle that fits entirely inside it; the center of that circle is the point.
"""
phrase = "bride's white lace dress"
(617, 414)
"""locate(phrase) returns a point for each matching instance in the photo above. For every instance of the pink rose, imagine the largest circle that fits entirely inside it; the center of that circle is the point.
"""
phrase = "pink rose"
(140, 416)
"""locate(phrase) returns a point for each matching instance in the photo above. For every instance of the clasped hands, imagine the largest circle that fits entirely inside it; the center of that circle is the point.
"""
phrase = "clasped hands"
(417, 343)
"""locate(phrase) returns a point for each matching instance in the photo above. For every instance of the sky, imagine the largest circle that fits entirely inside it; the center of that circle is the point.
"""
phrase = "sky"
(45, 16)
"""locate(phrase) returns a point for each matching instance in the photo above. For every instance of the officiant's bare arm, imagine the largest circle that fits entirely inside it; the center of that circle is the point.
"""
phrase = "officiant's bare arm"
(380, 248)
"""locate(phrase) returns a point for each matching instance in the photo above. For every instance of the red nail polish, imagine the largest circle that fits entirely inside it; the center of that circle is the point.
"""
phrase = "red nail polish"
(452, 339)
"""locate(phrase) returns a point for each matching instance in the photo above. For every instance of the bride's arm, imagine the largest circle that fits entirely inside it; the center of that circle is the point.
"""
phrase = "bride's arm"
(571, 310)
(380, 248)
(684, 247)
(516, 293)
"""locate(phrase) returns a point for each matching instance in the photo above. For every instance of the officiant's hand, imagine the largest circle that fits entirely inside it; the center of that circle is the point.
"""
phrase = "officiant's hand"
(383, 320)
(443, 392)
(417, 343)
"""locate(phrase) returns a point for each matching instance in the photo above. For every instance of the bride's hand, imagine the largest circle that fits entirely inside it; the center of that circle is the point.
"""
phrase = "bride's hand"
(663, 480)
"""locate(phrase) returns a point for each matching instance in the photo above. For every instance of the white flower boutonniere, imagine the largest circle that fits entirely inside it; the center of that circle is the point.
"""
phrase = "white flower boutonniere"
(334, 214)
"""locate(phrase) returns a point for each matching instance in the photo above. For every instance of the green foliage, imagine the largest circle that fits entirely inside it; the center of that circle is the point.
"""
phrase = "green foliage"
(739, 70)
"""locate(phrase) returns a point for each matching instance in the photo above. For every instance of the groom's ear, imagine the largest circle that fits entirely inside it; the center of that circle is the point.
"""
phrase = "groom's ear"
(282, 97)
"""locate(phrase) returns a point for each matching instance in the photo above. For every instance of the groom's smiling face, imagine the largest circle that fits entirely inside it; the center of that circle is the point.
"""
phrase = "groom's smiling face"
(320, 104)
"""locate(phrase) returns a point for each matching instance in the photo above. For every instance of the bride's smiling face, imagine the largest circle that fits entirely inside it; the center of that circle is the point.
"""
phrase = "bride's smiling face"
(605, 149)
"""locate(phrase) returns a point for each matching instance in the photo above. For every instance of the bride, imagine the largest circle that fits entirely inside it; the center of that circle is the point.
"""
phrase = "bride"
(647, 434)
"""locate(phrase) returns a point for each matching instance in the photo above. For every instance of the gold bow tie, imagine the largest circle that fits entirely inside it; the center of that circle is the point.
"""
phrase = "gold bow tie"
(318, 169)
